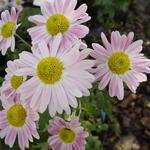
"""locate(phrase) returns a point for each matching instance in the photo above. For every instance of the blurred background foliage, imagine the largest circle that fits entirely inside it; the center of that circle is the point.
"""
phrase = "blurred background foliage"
(96, 111)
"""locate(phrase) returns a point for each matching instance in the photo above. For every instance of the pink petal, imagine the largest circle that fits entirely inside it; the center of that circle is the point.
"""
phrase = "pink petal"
(135, 47)
(120, 93)
(37, 19)
(105, 42)
(71, 57)
(45, 98)
(55, 45)
(43, 49)
(80, 30)
(104, 81)
(129, 39)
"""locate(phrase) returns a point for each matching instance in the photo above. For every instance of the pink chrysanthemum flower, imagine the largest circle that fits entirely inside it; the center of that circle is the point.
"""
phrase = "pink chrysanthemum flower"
(18, 120)
(56, 78)
(60, 17)
(9, 89)
(120, 62)
(8, 26)
(67, 135)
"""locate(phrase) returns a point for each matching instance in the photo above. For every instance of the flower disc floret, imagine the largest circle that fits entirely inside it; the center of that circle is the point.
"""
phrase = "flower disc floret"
(57, 23)
(67, 135)
(16, 115)
(119, 63)
(18, 2)
(49, 70)
(7, 29)
(16, 81)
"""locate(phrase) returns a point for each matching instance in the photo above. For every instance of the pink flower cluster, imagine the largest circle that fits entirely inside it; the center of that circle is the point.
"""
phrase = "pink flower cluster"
(57, 72)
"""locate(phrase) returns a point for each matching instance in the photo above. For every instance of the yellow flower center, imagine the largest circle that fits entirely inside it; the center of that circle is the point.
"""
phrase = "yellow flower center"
(67, 135)
(119, 63)
(16, 81)
(49, 70)
(16, 115)
(57, 23)
(7, 29)
(18, 2)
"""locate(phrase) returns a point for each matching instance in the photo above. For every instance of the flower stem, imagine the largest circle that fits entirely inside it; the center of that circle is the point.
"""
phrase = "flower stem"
(19, 37)
(80, 108)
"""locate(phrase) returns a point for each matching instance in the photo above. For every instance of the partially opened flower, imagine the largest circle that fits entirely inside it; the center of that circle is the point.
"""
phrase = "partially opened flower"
(17, 120)
(9, 89)
(60, 17)
(8, 26)
(120, 61)
(67, 135)
(17, 3)
(56, 78)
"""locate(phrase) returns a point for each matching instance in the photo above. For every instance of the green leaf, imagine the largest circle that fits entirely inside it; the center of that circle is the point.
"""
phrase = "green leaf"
(44, 120)
(93, 143)
(105, 102)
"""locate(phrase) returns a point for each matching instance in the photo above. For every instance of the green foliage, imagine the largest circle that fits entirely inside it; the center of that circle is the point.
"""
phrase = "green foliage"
(93, 143)
(104, 11)
(92, 108)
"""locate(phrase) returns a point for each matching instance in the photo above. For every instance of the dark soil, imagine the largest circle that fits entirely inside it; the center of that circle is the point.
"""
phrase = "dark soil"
(133, 113)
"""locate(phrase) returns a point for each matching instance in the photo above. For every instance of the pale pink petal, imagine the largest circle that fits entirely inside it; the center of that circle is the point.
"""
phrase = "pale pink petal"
(105, 42)
(59, 6)
(129, 39)
(104, 81)
(80, 30)
(71, 88)
(120, 93)
(55, 45)
(47, 9)
(37, 19)
(71, 57)
(44, 49)
(37, 95)
(45, 98)
(135, 47)
(13, 44)
(113, 86)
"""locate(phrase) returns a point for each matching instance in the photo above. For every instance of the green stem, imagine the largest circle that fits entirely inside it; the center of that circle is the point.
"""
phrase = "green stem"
(19, 37)
(80, 108)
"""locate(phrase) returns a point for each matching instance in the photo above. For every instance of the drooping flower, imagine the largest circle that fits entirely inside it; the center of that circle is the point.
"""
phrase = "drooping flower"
(67, 135)
(8, 26)
(39, 2)
(17, 3)
(57, 77)
(60, 17)
(121, 61)
(17, 120)
(9, 89)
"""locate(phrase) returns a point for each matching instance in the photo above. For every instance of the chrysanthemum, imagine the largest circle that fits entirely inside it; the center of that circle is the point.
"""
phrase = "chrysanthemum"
(120, 62)
(67, 135)
(17, 3)
(8, 26)
(9, 89)
(18, 120)
(56, 78)
(60, 17)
